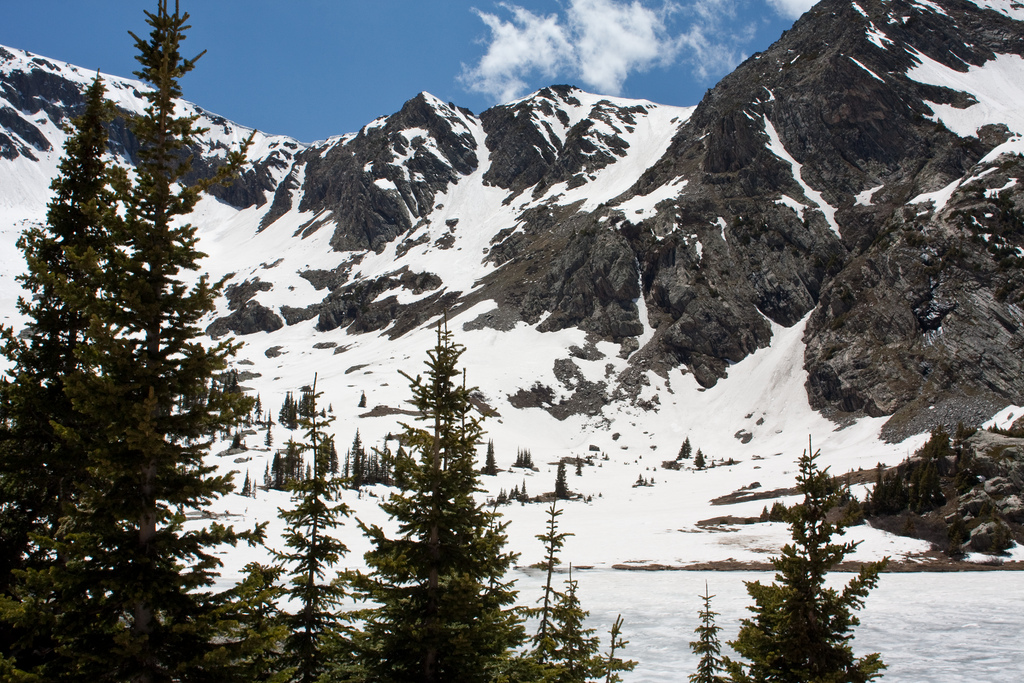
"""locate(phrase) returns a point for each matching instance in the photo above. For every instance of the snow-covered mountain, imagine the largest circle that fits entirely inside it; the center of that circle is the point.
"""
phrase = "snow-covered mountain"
(829, 244)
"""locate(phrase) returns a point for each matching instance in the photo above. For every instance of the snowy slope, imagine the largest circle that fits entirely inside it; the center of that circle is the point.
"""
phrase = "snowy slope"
(442, 170)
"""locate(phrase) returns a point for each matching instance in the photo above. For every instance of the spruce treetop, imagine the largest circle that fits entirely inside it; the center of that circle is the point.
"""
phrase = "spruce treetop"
(801, 630)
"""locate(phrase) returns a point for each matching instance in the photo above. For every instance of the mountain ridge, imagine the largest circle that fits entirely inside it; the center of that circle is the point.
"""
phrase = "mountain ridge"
(797, 187)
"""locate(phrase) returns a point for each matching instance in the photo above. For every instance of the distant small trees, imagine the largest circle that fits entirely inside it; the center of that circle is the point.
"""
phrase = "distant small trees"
(288, 416)
(365, 469)
(490, 464)
(698, 461)
(561, 483)
(916, 484)
(524, 459)
(685, 451)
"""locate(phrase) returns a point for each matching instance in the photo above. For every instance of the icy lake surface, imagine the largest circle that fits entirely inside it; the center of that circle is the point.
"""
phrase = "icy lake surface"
(928, 627)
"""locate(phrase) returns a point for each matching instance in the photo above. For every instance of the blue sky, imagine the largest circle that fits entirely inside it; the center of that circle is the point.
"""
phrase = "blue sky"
(315, 68)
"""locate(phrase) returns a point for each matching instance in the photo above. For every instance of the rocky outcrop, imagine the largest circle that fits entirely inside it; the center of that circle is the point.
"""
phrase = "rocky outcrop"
(374, 185)
(796, 190)
(247, 316)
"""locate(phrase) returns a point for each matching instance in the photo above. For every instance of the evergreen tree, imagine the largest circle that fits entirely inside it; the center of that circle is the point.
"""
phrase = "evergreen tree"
(957, 533)
(249, 648)
(335, 465)
(707, 646)
(801, 630)
(553, 541)
(443, 604)
(312, 551)
(307, 403)
(612, 664)
(141, 428)
(40, 470)
(561, 484)
(362, 400)
(524, 459)
(685, 451)
(699, 462)
(890, 494)
(574, 654)
(490, 464)
(356, 471)
(288, 416)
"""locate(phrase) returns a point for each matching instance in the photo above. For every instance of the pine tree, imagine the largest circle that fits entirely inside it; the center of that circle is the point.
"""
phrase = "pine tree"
(335, 464)
(685, 451)
(561, 484)
(801, 630)
(490, 464)
(612, 664)
(707, 646)
(357, 463)
(574, 654)
(443, 604)
(553, 541)
(249, 647)
(141, 427)
(362, 400)
(890, 494)
(40, 470)
(524, 459)
(288, 416)
(699, 462)
(317, 510)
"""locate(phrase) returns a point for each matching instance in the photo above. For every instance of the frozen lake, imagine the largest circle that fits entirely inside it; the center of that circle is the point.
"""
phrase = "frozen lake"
(928, 627)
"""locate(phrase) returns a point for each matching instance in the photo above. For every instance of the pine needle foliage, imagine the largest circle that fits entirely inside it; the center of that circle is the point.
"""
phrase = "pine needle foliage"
(39, 470)
(249, 643)
(612, 664)
(801, 630)
(707, 646)
(312, 550)
(133, 583)
(553, 541)
(444, 608)
(574, 653)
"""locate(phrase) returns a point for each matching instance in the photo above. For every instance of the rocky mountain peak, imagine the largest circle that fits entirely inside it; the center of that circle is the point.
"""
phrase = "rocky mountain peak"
(859, 178)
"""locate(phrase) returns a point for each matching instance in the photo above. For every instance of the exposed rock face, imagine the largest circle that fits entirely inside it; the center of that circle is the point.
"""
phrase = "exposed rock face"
(374, 185)
(247, 316)
(31, 86)
(817, 182)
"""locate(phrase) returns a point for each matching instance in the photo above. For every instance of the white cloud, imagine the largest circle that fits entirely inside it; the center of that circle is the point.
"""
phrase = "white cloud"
(525, 44)
(792, 8)
(600, 43)
(612, 39)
